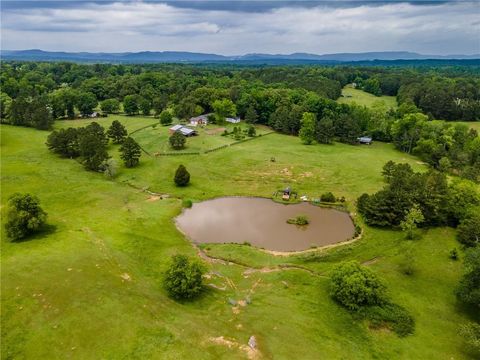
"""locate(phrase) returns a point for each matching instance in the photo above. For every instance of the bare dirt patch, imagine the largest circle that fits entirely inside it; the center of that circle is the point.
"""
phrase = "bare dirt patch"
(215, 131)
(153, 198)
(251, 353)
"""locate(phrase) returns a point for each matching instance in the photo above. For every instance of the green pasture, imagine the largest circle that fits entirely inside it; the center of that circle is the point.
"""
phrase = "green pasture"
(89, 287)
(360, 97)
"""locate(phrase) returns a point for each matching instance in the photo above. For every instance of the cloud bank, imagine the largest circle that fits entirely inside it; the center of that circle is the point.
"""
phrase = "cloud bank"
(236, 28)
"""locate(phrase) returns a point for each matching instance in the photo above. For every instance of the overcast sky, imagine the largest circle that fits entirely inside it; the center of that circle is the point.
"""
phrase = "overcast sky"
(240, 27)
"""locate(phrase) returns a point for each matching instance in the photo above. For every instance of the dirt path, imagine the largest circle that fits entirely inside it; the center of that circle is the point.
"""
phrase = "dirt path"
(251, 270)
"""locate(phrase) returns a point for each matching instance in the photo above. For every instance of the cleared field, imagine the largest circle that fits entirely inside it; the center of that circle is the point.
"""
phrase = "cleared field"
(155, 139)
(91, 288)
(351, 95)
(471, 124)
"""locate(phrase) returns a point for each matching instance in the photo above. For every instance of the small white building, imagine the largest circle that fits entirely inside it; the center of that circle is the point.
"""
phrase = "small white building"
(234, 120)
(182, 130)
(199, 120)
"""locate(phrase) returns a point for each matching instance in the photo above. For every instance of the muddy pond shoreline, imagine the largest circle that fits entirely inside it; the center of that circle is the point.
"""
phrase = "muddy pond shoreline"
(262, 222)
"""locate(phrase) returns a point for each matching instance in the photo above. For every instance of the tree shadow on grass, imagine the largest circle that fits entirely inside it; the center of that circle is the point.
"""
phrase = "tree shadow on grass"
(44, 232)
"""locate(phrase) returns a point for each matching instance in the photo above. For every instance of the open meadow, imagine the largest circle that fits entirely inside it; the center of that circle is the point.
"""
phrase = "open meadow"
(360, 97)
(90, 286)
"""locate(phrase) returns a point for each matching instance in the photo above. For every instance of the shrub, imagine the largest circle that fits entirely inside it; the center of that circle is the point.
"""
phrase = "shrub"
(393, 316)
(177, 140)
(354, 286)
(471, 334)
(328, 197)
(166, 117)
(110, 168)
(454, 254)
(299, 220)
(408, 265)
(187, 203)
(183, 279)
(182, 176)
(24, 217)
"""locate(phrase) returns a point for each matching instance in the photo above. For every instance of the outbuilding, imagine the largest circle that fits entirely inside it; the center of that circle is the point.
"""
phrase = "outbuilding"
(199, 120)
(234, 120)
(365, 140)
(182, 130)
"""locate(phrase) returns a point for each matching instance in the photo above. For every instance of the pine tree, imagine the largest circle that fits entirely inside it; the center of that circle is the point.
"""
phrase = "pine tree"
(325, 131)
(93, 146)
(182, 176)
(117, 132)
(251, 116)
(130, 152)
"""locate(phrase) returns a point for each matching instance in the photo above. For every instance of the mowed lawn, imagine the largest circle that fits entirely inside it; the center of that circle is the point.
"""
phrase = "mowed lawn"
(155, 139)
(360, 97)
(90, 286)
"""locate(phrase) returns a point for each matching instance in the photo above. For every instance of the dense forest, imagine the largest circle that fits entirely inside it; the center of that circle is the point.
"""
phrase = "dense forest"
(35, 94)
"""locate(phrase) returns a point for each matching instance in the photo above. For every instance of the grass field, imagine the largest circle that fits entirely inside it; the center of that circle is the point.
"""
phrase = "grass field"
(361, 97)
(471, 124)
(90, 287)
(155, 139)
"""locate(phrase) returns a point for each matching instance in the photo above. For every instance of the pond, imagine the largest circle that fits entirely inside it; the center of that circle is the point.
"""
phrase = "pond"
(263, 223)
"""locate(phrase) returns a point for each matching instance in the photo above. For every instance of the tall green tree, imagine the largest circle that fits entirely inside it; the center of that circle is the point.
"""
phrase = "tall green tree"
(86, 103)
(131, 104)
(468, 291)
(223, 108)
(166, 117)
(413, 218)
(251, 116)
(117, 132)
(64, 142)
(468, 232)
(325, 130)
(145, 106)
(130, 152)
(93, 146)
(24, 216)
(307, 130)
(354, 286)
(110, 106)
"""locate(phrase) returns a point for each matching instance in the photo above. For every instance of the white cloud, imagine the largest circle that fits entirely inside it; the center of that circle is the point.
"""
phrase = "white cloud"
(135, 26)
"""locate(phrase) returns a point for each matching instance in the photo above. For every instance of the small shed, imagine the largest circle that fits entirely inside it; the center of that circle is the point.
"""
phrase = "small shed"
(175, 128)
(182, 130)
(187, 131)
(234, 120)
(365, 140)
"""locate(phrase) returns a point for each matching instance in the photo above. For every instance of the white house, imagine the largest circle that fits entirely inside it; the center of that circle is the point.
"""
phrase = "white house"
(199, 120)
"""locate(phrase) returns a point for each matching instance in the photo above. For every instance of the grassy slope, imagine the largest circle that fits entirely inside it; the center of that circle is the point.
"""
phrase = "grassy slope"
(361, 97)
(104, 229)
(472, 124)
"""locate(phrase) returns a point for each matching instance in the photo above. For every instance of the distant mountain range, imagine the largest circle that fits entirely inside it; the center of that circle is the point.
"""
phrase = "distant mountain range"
(191, 57)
